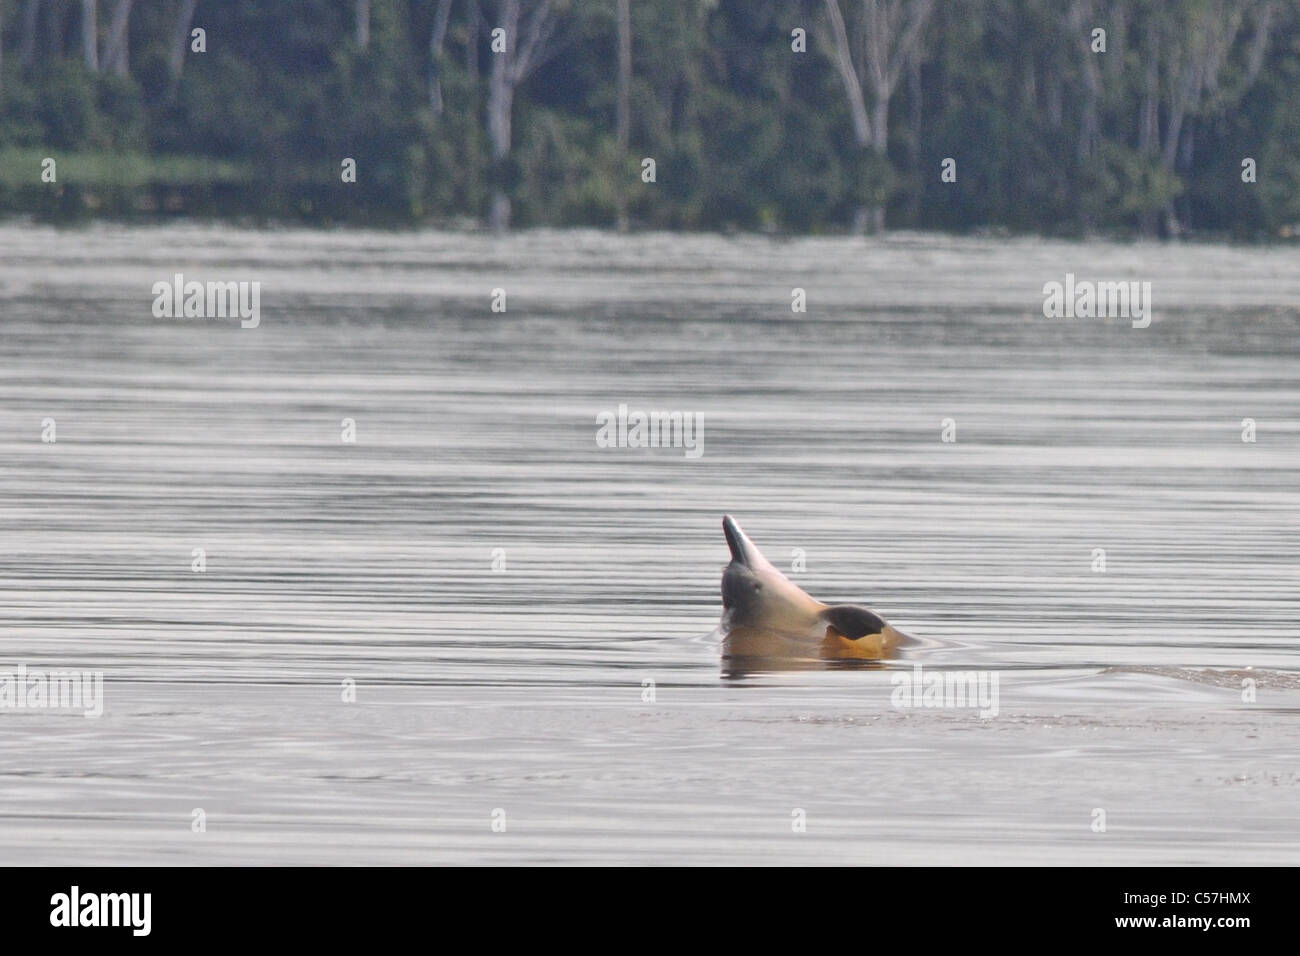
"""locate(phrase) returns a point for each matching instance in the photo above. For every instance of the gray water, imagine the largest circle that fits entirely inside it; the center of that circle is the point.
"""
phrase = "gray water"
(577, 688)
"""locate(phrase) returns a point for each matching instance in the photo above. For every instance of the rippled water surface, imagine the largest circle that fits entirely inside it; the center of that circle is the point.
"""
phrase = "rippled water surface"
(575, 686)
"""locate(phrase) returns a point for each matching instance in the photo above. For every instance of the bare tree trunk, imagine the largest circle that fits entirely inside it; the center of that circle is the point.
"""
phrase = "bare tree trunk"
(623, 115)
(1197, 50)
(623, 120)
(1179, 103)
(1178, 213)
(1149, 107)
(849, 76)
(116, 58)
(501, 94)
(879, 145)
(436, 40)
(1259, 43)
(1149, 124)
(1208, 37)
(181, 41)
(914, 94)
(471, 42)
(363, 23)
(852, 84)
(913, 205)
(888, 36)
(880, 126)
(526, 48)
(90, 34)
(27, 43)
(1080, 16)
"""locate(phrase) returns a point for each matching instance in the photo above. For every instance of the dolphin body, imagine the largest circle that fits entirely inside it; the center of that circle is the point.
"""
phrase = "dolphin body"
(767, 617)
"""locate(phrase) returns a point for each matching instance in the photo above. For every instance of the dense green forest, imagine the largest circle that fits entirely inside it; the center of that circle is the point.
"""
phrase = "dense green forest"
(1057, 116)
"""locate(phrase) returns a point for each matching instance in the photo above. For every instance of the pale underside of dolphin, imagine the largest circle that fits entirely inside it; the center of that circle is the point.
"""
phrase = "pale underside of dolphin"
(767, 616)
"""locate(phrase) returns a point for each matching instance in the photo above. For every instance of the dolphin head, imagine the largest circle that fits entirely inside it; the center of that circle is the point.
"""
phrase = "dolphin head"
(766, 615)
(752, 587)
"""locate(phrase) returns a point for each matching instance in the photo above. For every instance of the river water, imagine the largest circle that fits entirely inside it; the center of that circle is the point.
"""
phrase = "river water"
(473, 634)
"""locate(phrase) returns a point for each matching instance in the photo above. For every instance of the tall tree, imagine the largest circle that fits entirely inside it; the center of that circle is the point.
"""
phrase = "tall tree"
(526, 44)
(623, 117)
(116, 56)
(90, 34)
(872, 49)
(1081, 18)
(1186, 50)
(437, 38)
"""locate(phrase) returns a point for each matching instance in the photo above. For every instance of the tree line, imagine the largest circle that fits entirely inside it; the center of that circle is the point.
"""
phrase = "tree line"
(1158, 117)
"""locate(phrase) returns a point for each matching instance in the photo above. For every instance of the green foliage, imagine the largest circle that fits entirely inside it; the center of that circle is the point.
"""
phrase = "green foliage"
(20, 166)
(1128, 183)
(745, 133)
